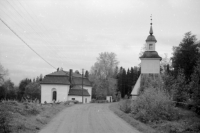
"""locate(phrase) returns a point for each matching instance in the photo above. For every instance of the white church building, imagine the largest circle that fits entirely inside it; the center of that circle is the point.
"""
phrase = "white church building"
(62, 86)
(150, 62)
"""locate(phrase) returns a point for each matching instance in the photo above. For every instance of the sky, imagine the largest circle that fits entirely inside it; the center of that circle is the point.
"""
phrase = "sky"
(71, 33)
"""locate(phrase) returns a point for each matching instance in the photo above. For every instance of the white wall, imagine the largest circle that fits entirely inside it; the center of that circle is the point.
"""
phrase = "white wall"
(108, 98)
(79, 98)
(46, 92)
(150, 65)
(89, 89)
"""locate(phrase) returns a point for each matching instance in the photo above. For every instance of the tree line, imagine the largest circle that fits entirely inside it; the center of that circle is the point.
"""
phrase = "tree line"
(127, 80)
(28, 89)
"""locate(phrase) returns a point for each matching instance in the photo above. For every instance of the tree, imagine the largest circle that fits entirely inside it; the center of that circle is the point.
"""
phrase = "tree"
(105, 65)
(185, 56)
(9, 89)
(33, 91)
(195, 87)
(101, 71)
(3, 73)
(22, 87)
(86, 74)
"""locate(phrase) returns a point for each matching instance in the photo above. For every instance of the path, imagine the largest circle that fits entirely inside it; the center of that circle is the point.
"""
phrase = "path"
(88, 118)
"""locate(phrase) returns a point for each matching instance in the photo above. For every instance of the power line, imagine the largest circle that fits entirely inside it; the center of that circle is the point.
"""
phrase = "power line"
(27, 22)
(27, 44)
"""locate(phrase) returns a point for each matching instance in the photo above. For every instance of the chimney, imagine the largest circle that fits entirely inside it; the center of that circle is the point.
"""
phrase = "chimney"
(70, 75)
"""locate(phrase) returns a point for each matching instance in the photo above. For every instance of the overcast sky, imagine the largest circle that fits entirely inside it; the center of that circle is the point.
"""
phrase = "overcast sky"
(71, 33)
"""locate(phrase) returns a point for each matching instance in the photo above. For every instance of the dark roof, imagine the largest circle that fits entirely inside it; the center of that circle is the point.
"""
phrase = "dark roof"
(151, 38)
(55, 80)
(57, 73)
(78, 81)
(150, 54)
(64, 73)
(78, 92)
(62, 77)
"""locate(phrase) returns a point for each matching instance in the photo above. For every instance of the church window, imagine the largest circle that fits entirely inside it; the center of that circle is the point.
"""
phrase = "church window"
(150, 46)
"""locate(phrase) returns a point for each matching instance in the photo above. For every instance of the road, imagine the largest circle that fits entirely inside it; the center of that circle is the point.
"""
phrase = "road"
(88, 118)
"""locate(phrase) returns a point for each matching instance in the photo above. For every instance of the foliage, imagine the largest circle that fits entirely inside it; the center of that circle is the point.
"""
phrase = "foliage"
(32, 91)
(99, 101)
(153, 104)
(3, 74)
(185, 56)
(103, 69)
(126, 80)
(150, 81)
(22, 87)
(195, 87)
(180, 88)
(105, 65)
(125, 105)
(5, 119)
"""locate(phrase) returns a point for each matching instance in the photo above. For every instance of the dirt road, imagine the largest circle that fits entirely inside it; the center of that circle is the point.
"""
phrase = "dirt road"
(88, 118)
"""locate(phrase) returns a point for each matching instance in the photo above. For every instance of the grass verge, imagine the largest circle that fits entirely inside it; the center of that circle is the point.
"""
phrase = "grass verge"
(127, 117)
(26, 117)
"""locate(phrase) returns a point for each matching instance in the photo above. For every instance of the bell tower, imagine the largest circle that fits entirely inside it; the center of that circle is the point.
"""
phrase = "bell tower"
(150, 60)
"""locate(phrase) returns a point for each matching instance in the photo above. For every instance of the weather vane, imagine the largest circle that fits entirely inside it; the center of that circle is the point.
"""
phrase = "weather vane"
(151, 19)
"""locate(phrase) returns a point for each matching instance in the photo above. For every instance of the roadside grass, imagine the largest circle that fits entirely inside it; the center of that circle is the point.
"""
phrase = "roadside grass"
(187, 122)
(115, 107)
(26, 117)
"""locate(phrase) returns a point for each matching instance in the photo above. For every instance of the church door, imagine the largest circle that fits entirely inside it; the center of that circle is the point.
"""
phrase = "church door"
(54, 95)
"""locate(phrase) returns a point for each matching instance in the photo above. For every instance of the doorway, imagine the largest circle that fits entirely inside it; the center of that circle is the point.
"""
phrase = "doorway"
(54, 94)
(85, 100)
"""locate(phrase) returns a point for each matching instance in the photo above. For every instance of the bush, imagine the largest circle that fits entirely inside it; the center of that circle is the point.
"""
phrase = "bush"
(125, 105)
(5, 119)
(153, 105)
(99, 101)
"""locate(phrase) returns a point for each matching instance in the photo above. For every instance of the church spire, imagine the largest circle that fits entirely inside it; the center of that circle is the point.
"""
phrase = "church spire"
(151, 29)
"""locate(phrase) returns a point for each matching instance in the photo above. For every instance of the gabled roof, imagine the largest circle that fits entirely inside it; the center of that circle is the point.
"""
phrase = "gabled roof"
(78, 92)
(55, 80)
(150, 54)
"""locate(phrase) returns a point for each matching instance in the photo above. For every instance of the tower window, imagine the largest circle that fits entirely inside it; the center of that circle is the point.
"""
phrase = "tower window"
(150, 46)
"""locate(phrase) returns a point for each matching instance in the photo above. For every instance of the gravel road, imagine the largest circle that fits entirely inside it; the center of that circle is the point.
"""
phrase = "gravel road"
(88, 118)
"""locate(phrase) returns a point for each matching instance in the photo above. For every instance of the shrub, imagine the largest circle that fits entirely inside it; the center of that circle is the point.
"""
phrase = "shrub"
(153, 105)
(5, 119)
(125, 105)
(93, 101)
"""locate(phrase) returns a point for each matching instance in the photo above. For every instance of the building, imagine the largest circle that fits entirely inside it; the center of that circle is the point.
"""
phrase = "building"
(62, 86)
(150, 62)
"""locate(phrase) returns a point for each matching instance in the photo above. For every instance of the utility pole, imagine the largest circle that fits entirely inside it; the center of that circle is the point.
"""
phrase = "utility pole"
(82, 84)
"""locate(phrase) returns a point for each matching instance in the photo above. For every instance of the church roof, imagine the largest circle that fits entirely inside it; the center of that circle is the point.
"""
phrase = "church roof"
(151, 38)
(55, 80)
(151, 54)
(78, 92)
(62, 77)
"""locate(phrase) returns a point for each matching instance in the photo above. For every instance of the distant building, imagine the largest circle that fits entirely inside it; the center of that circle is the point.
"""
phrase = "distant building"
(63, 86)
(150, 62)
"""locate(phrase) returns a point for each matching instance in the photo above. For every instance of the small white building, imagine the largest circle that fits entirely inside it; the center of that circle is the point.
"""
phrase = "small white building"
(150, 62)
(63, 86)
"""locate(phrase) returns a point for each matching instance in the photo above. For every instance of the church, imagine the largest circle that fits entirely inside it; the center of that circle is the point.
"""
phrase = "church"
(61, 86)
(150, 62)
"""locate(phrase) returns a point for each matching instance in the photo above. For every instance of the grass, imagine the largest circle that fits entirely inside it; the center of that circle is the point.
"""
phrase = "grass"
(188, 122)
(129, 119)
(27, 117)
